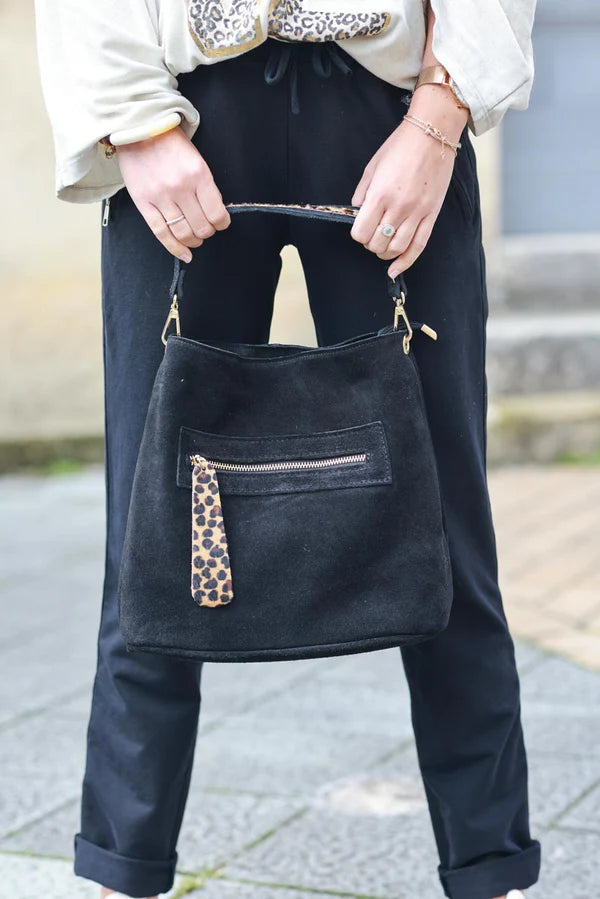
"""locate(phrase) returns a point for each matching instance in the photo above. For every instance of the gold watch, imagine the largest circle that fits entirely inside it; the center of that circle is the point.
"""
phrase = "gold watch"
(439, 75)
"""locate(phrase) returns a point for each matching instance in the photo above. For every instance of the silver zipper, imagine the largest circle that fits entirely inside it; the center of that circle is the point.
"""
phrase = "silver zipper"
(289, 465)
(106, 212)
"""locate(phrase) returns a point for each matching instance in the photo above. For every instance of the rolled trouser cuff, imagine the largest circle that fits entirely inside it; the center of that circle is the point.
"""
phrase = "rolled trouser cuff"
(136, 877)
(494, 876)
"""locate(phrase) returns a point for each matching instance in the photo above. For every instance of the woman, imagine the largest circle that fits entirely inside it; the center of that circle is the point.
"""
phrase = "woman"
(174, 109)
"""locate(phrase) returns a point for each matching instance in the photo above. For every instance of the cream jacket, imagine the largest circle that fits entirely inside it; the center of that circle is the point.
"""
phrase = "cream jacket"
(110, 67)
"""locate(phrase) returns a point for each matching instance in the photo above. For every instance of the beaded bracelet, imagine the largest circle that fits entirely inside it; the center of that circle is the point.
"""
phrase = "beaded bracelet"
(434, 132)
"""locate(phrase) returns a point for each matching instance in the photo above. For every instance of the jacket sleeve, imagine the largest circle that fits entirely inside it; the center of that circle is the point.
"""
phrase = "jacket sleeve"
(486, 47)
(102, 73)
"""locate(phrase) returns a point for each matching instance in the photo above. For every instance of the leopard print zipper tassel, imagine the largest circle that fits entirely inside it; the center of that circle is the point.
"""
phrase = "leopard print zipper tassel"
(211, 571)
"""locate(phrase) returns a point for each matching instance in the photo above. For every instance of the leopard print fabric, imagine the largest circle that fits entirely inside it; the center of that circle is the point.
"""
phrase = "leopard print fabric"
(211, 571)
(290, 21)
(227, 27)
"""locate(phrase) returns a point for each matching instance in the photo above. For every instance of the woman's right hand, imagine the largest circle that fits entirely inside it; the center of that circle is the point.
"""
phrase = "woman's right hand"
(167, 177)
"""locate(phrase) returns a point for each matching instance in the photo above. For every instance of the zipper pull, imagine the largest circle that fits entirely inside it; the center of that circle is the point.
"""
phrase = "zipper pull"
(106, 212)
(211, 583)
(173, 316)
(429, 331)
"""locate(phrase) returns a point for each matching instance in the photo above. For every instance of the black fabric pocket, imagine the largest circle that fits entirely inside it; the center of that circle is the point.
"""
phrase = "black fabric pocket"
(464, 177)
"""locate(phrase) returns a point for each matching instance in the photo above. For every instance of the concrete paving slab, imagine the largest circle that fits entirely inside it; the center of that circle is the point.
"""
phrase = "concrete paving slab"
(555, 783)
(36, 878)
(78, 706)
(273, 758)
(561, 730)
(46, 669)
(227, 889)
(234, 687)
(24, 877)
(372, 855)
(585, 814)
(24, 799)
(216, 827)
(51, 835)
(561, 682)
(45, 745)
(381, 669)
(68, 507)
(400, 772)
(339, 707)
(528, 656)
(41, 760)
(569, 866)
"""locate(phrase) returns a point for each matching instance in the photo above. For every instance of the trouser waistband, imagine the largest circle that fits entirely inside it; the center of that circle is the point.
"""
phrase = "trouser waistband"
(324, 55)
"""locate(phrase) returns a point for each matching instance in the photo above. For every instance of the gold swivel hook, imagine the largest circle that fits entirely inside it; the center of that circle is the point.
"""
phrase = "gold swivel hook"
(173, 316)
(400, 313)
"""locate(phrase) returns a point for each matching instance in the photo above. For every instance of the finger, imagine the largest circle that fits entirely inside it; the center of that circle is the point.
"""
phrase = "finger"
(198, 224)
(400, 242)
(415, 248)
(358, 197)
(367, 220)
(211, 201)
(182, 230)
(157, 224)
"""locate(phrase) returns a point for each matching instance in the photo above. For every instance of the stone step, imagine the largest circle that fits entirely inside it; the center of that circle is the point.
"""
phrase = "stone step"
(544, 272)
(530, 353)
(544, 427)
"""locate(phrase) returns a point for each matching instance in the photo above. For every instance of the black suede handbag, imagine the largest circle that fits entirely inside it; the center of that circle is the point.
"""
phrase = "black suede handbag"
(285, 502)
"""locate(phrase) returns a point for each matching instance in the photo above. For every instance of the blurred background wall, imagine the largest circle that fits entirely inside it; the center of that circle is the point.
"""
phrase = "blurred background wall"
(540, 183)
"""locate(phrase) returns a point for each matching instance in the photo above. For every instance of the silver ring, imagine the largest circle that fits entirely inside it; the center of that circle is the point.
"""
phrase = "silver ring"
(178, 219)
(388, 230)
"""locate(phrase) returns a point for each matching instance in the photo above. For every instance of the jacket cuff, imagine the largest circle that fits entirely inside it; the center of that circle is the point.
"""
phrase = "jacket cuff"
(148, 129)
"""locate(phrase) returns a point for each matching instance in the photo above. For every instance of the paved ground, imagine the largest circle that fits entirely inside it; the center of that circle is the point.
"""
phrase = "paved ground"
(305, 782)
(548, 530)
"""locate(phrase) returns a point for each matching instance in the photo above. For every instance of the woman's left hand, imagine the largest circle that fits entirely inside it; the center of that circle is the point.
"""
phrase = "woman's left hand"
(404, 184)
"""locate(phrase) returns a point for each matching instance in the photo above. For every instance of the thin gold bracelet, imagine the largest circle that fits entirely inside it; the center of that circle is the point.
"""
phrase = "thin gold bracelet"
(434, 132)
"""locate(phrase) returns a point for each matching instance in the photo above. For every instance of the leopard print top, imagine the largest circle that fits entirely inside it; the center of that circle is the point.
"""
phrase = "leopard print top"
(227, 27)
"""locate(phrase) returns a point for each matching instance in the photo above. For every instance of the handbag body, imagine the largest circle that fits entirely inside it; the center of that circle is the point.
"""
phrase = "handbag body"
(285, 502)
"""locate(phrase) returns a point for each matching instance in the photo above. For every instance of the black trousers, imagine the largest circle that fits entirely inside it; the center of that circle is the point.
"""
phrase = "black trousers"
(306, 137)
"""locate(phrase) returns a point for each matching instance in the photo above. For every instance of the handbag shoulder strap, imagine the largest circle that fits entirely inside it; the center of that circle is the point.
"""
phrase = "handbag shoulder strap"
(396, 287)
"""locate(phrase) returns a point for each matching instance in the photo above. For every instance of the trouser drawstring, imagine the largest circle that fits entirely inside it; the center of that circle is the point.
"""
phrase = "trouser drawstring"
(323, 54)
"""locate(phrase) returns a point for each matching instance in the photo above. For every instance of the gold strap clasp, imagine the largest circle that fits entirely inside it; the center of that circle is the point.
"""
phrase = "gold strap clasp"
(400, 313)
(173, 316)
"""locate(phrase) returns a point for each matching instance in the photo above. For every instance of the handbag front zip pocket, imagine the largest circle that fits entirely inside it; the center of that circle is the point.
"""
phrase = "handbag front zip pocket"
(215, 465)
(289, 463)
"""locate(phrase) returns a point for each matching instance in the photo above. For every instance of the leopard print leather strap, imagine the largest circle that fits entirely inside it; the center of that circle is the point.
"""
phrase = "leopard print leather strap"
(211, 572)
